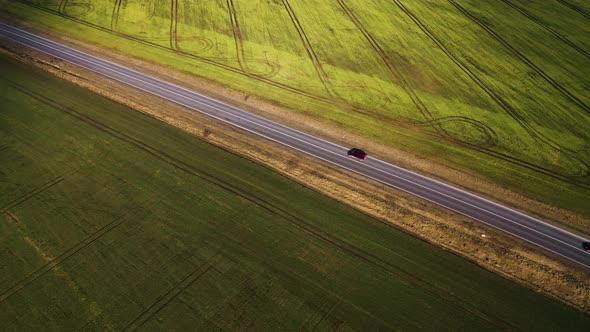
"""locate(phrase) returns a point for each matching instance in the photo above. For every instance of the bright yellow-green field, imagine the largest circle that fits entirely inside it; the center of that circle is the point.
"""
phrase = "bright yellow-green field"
(498, 88)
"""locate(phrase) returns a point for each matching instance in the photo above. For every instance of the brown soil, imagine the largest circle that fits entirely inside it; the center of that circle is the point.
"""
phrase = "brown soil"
(496, 251)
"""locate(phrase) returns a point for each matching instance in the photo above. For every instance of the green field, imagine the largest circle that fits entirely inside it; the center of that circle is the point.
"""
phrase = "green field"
(112, 220)
(499, 88)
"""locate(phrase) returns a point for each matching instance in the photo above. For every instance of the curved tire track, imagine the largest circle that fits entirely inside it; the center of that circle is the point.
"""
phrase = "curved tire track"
(499, 100)
(240, 50)
(491, 137)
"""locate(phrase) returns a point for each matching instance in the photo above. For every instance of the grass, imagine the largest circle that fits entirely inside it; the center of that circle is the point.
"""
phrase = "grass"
(499, 89)
(112, 220)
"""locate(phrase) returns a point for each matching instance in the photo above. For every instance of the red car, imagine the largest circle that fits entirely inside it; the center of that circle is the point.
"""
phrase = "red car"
(586, 246)
(357, 153)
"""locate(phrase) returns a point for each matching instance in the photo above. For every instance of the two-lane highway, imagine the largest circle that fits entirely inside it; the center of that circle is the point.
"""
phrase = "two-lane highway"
(541, 234)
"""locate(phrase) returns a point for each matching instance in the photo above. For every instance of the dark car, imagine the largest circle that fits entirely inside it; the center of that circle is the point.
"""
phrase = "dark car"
(586, 246)
(357, 153)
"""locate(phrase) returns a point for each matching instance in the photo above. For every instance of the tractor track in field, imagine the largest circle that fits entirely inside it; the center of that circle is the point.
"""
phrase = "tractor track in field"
(571, 179)
(174, 25)
(85, 8)
(522, 57)
(319, 68)
(420, 106)
(115, 15)
(241, 50)
(173, 37)
(62, 6)
(244, 287)
(490, 140)
(348, 248)
(154, 152)
(206, 42)
(319, 311)
(285, 215)
(238, 38)
(152, 11)
(575, 8)
(32, 193)
(326, 314)
(389, 268)
(500, 101)
(64, 256)
(163, 300)
(207, 60)
(533, 18)
(431, 121)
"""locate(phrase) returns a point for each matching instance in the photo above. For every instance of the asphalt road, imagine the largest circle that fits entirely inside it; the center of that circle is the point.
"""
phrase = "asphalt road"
(535, 231)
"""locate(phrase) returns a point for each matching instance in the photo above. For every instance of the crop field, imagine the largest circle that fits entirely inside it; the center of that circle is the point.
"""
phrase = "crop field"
(112, 220)
(499, 88)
